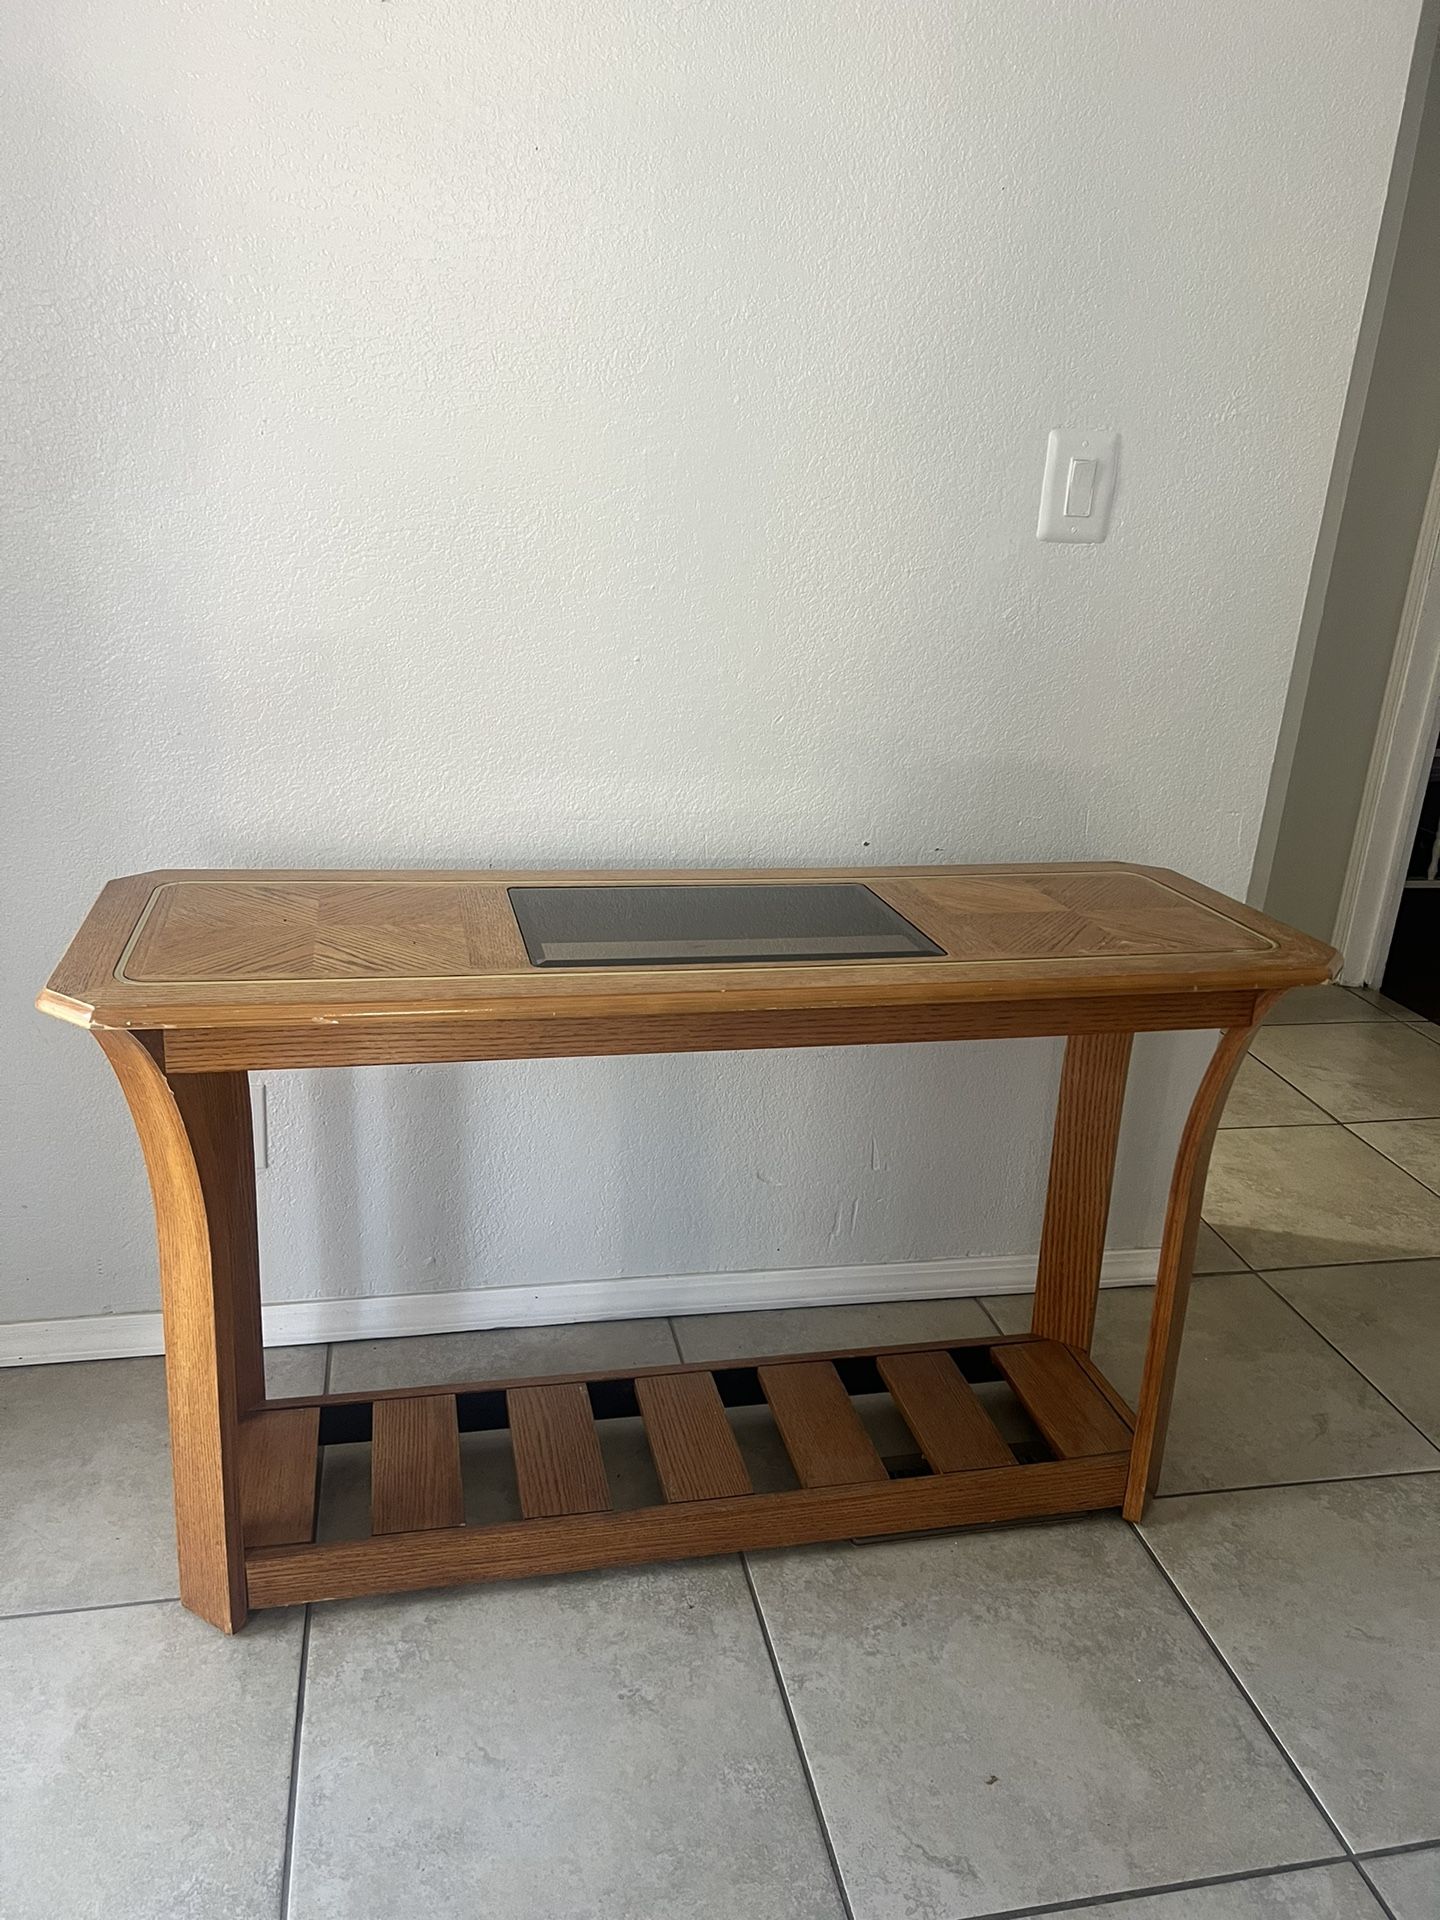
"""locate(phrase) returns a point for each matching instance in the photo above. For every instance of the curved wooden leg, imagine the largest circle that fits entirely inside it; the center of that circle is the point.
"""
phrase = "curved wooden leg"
(1077, 1204)
(1177, 1258)
(199, 1153)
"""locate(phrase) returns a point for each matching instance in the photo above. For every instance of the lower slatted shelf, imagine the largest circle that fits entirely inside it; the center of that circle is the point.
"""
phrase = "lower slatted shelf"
(965, 1470)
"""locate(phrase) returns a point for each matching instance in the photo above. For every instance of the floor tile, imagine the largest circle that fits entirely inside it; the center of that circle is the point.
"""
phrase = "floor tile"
(1411, 1144)
(1260, 1098)
(1382, 1071)
(145, 1767)
(738, 1336)
(295, 1370)
(1322, 1893)
(1373, 997)
(598, 1746)
(500, 1353)
(1260, 1398)
(86, 1515)
(1316, 1196)
(1213, 1256)
(1386, 1319)
(1305, 1006)
(1410, 1882)
(997, 1720)
(1325, 1601)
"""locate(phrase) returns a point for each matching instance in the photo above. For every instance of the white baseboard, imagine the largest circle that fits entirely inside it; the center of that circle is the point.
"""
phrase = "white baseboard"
(295, 1323)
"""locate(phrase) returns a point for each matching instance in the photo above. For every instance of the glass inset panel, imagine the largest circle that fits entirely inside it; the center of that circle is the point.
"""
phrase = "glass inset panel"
(713, 925)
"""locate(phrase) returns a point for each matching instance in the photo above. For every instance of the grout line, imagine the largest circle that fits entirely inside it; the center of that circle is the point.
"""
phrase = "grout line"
(288, 1859)
(979, 1300)
(1405, 1121)
(1224, 1243)
(1245, 1693)
(1380, 1900)
(1280, 1486)
(329, 1358)
(674, 1338)
(1405, 1846)
(803, 1757)
(99, 1606)
(1353, 1365)
(1390, 1259)
(1087, 1902)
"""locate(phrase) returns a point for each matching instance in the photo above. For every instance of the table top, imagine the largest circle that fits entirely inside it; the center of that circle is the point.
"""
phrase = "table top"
(211, 949)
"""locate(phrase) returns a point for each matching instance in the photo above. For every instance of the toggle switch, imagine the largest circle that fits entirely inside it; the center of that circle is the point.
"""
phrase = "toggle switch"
(1080, 467)
(1080, 489)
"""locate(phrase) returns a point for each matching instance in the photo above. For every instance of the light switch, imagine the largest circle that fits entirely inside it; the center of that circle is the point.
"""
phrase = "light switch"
(1080, 466)
(1080, 489)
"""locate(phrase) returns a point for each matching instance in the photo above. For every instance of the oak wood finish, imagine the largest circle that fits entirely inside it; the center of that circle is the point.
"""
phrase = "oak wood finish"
(279, 1476)
(384, 1042)
(192, 979)
(827, 1445)
(199, 1155)
(695, 1452)
(940, 1407)
(367, 1396)
(1177, 1263)
(415, 1466)
(1082, 1169)
(558, 1464)
(194, 950)
(285, 1576)
(1060, 1397)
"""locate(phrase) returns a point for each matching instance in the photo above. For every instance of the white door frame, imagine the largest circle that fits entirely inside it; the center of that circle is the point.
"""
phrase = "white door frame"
(1399, 765)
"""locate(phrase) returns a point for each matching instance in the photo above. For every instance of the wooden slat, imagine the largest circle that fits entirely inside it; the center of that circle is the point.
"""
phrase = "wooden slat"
(822, 1432)
(284, 1576)
(696, 1455)
(939, 1406)
(1059, 1396)
(279, 1464)
(415, 1465)
(558, 1464)
(1110, 1391)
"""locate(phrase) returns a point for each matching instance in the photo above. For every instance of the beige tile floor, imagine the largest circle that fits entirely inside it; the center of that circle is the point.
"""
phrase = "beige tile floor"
(1230, 1713)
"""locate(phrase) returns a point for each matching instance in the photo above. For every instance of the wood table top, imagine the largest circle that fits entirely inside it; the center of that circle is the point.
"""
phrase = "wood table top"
(211, 949)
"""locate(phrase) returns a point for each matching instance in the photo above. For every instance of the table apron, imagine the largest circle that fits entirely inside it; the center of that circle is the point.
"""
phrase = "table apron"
(384, 1041)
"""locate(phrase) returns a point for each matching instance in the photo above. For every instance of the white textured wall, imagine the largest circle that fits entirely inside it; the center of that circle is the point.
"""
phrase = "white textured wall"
(610, 431)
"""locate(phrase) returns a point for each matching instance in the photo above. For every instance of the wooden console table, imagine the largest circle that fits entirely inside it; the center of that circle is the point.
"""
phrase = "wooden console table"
(190, 980)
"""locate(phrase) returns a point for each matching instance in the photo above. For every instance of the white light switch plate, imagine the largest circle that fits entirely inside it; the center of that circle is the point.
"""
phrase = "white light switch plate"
(1072, 484)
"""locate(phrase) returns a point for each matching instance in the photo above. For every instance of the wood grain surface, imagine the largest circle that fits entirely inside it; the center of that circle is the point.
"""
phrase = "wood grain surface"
(941, 1409)
(694, 1449)
(175, 949)
(558, 1464)
(415, 1466)
(827, 1444)
(285, 1576)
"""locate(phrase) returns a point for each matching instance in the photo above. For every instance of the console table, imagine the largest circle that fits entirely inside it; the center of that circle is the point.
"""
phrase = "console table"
(190, 980)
